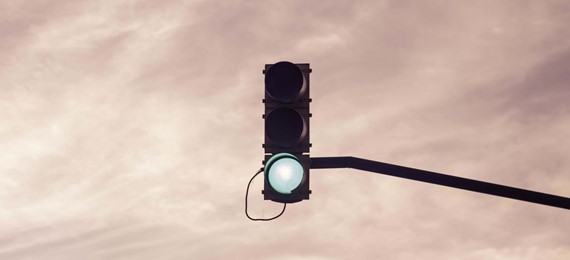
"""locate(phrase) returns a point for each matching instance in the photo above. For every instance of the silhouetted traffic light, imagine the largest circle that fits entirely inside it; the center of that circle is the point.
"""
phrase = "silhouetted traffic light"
(286, 132)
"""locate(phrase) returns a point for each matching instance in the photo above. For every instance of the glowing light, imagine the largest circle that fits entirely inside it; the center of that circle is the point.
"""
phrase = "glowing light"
(285, 174)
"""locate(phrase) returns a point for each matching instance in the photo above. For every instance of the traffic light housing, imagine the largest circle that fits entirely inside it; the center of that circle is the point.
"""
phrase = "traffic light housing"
(286, 132)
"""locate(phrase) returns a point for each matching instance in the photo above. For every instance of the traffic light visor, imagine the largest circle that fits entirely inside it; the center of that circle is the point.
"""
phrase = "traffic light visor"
(284, 172)
(285, 127)
(283, 81)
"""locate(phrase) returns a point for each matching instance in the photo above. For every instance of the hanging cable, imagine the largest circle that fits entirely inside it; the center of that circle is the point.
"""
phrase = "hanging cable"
(246, 193)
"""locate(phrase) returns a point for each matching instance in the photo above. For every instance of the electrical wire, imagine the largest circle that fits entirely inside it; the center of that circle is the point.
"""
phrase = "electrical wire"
(246, 193)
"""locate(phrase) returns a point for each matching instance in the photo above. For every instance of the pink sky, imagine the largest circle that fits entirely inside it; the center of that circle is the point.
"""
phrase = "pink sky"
(129, 129)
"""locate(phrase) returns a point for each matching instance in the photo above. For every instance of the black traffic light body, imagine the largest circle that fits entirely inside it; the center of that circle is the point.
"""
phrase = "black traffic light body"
(287, 118)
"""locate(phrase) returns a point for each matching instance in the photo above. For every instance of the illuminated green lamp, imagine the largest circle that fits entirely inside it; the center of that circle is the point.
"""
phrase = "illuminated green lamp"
(284, 172)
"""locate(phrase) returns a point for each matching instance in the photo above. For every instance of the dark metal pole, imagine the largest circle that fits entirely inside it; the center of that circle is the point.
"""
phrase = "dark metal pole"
(440, 179)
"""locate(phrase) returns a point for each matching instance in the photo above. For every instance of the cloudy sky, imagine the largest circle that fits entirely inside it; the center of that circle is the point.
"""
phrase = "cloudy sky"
(129, 129)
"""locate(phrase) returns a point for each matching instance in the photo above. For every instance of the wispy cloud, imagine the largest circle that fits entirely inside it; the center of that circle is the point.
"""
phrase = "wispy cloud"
(129, 129)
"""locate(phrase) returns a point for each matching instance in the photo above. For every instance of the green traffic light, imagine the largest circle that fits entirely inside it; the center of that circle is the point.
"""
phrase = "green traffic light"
(284, 172)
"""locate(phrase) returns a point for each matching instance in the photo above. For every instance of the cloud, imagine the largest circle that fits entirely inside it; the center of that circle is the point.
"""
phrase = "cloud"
(131, 128)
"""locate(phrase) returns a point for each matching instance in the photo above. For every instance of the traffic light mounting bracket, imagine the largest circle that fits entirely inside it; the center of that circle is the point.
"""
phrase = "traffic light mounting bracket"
(440, 179)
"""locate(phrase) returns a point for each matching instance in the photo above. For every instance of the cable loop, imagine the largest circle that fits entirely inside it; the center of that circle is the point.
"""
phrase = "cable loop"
(247, 192)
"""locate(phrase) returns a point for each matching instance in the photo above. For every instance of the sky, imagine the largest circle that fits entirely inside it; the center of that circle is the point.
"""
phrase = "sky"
(130, 128)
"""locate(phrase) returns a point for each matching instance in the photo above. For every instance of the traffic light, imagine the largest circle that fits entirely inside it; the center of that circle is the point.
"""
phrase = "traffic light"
(286, 132)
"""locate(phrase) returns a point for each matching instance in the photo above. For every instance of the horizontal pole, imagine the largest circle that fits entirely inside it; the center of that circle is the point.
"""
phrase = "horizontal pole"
(440, 179)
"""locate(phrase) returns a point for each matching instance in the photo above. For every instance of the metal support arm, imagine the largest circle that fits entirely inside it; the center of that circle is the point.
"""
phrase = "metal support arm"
(440, 179)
